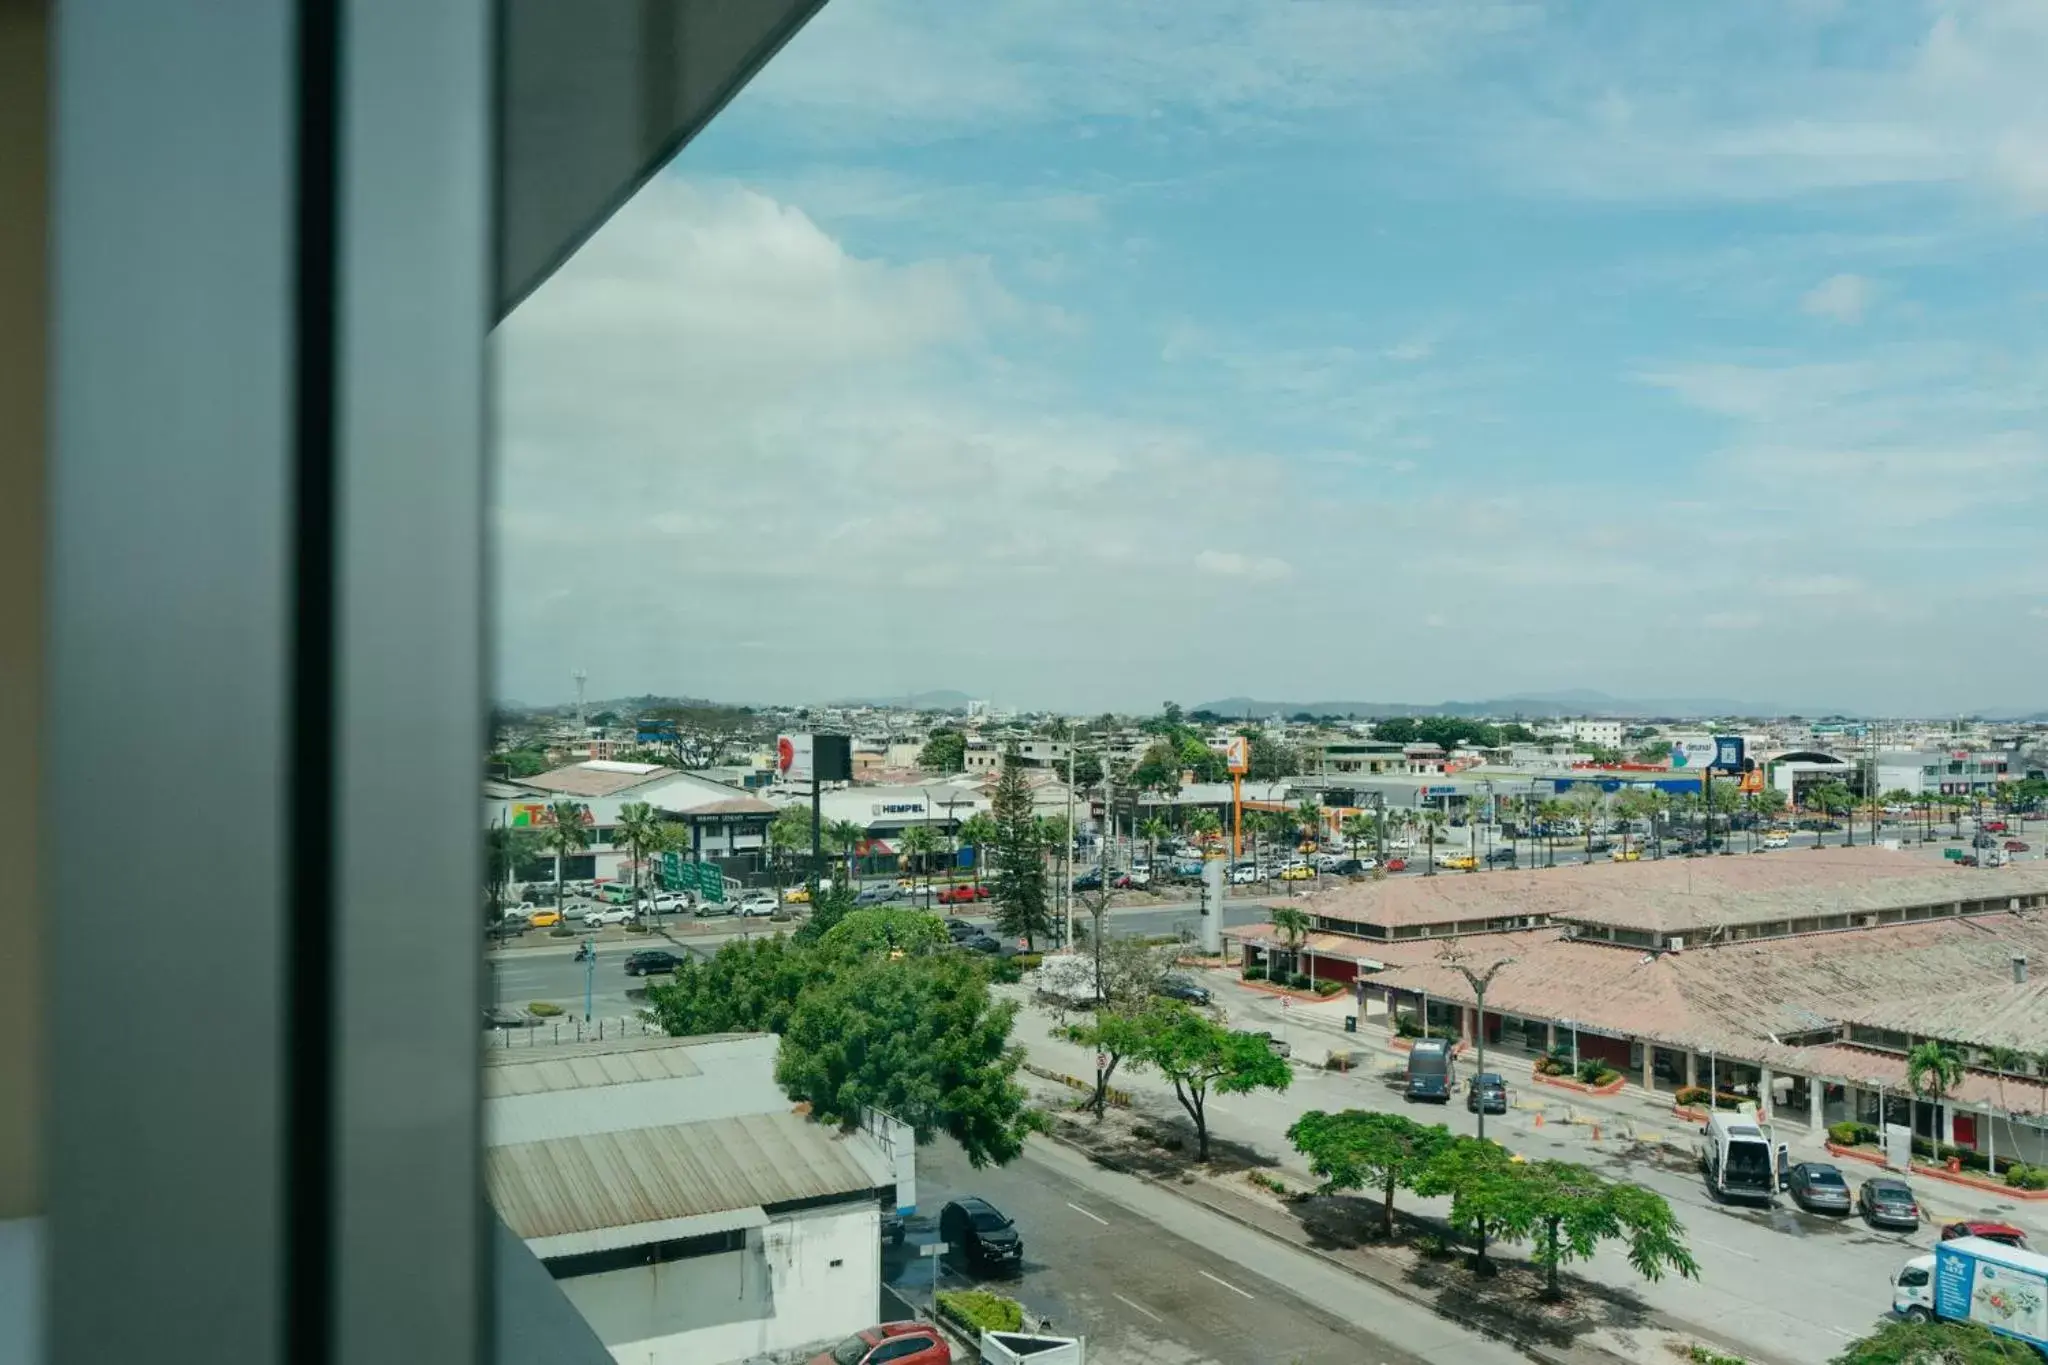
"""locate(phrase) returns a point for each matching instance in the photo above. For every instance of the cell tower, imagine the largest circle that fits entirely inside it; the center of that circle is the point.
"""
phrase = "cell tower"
(581, 677)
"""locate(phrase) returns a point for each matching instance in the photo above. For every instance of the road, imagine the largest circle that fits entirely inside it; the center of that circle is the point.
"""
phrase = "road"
(1153, 1280)
(541, 968)
(1842, 1284)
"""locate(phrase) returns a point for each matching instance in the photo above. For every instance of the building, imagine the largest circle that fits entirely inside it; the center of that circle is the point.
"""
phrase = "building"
(1798, 771)
(1773, 976)
(678, 1200)
(1604, 734)
(1341, 758)
(724, 825)
(985, 753)
(886, 813)
(1946, 772)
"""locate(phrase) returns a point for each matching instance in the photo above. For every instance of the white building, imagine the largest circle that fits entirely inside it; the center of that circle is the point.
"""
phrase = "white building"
(681, 1205)
(1604, 734)
(726, 826)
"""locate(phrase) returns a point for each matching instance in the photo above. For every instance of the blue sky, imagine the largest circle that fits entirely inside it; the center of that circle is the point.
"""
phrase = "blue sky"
(1081, 355)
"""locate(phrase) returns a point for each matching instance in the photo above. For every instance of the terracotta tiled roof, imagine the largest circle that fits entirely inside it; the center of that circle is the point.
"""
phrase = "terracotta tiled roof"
(2007, 1015)
(1678, 895)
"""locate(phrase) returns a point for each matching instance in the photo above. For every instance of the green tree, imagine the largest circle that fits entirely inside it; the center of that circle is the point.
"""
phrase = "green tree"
(831, 905)
(1152, 831)
(1936, 1343)
(870, 931)
(1433, 821)
(944, 751)
(1117, 1034)
(1021, 907)
(919, 844)
(1308, 818)
(978, 832)
(1565, 1211)
(1199, 1055)
(1933, 1070)
(1293, 924)
(1356, 829)
(1158, 769)
(789, 835)
(917, 1037)
(1205, 824)
(642, 833)
(1657, 751)
(747, 986)
(1478, 1175)
(563, 833)
(1270, 759)
(506, 850)
(1360, 1149)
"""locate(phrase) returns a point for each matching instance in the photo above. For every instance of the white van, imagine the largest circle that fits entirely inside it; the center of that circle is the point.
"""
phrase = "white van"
(1736, 1157)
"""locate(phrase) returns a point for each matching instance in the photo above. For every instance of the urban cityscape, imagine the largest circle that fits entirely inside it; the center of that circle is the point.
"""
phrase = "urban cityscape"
(1150, 1000)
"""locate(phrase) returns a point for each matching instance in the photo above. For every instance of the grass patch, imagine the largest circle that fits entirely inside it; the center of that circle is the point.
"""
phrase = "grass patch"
(543, 1009)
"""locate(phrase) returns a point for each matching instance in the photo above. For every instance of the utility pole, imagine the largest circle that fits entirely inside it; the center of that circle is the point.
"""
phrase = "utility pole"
(1067, 850)
(1479, 981)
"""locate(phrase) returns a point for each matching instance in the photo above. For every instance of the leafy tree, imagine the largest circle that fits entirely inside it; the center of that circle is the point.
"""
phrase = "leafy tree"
(1935, 1343)
(1158, 769)
(978, 831)
(846, 837)
(1356, 829)
(919, 844)
(1604, 755)
(1478, 1175)
(1516, 733)
(945, 751)
(1205, 824)
(1270, 760)
(831, 905)
(917, 1037)
(790, 833)
(1359, 1149)
(1932, 1071)
(747, 986)
(1117, 1035)
(1658, 751)
(506, 850)
(871, 931)
(564, 833)
(520, 762)
(1207, 764)
(1020, 884)
(1566, 1211)
(1395, 730)
(1308, 817)
(1152, 831)
(1199, 1055)
(1433, 821)
(642, 833)
(1087, 770)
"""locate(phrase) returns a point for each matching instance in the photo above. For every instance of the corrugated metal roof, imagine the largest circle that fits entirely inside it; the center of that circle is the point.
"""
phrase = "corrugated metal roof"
(554, 1093)
(581, 1071)
(653, 1175)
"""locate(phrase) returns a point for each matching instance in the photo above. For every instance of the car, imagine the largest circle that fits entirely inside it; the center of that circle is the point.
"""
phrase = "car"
(652, 962)
(981, 1233)
(1598, 845)
(1488, 1092)
(898, 1343)
(1297, 874)
(2003, 1233)
(2016, 846)
(1138, 878)
(505, 929)
(1888, 1202)
(1626, 855)
(876, 895)
(797, 895)
(1500, 857)
(957, 926)
(1994, 826)
(706, 908)
(1983, 841)
(757, 903)
(982, 942)
(958, 895)
(1088, 881)
(1352, 867)
(607, 914)
(671, 902)
(1777, 839)
(1818, 1186)
(1243, 876)
(1458, 862)
(1180, 988)
(1397, 864)
(546, 919)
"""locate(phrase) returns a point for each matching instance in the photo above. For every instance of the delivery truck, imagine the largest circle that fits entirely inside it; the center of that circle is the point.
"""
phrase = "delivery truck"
(1974, 1280)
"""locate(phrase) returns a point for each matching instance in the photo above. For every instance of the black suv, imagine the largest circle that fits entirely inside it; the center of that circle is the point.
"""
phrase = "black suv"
(651, 961)
(1499, 856)
(980, 1232)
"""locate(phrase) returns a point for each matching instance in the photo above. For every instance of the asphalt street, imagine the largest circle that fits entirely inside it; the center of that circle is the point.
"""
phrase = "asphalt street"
(1153, 1280)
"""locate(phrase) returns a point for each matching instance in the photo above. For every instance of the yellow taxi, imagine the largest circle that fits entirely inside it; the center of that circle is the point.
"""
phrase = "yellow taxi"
(1297, 874)
(1626, 855)
(797, 895)
(1461, 862)
(545, 919)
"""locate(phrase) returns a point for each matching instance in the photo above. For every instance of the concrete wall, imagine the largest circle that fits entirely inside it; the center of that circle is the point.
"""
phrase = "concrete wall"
(809, 1277)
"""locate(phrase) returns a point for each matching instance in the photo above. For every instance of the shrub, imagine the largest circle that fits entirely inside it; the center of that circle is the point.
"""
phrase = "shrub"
(1432, 1246)
(1006, 969)
(1844, 1134)
(981, 1310)
(1690, 1096)
(543, 1009)
(1028, 961)
(1707, 1355)
(561, 931)
(2024, 1177)
(1268, 1182)
(1255, 973)
(1593, 1071)
(1328, 988)
(637, 928)
(1404, 1027)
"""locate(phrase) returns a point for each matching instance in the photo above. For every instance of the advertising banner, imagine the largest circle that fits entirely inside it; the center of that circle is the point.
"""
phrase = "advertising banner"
(793, 757)
(2004, 1298)
(1237, 753)
(1693, 754)
(1728, 753)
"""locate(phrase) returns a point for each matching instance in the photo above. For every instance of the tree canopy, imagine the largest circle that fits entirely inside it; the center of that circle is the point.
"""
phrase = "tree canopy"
(1199, 1055)
(944, 751)
(1360, 1149)
(1021, 903)
(1935, 1343)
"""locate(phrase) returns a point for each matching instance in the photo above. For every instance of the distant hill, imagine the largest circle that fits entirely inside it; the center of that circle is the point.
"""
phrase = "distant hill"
(1538, 706)
(913, 701)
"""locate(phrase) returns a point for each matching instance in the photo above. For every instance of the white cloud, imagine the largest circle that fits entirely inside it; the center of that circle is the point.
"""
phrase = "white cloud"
(1253, 568)
(1841, 298)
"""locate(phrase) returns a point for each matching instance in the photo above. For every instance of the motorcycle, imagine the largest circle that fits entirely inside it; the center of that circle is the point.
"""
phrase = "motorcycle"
(585, 953)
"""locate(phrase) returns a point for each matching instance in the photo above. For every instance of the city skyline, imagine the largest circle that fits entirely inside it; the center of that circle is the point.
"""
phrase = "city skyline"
(1321, 350)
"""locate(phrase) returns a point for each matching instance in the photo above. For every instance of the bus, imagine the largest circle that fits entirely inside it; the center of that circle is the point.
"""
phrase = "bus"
(616, 893)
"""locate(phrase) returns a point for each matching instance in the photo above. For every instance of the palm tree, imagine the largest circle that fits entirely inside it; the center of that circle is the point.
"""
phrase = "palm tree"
(1205, 824)
(1152, 831)
(790, 833)
(1586, 804)
(1552, 813)
(1932, 1071)
(978, 831)
(1293, 924)
(564, 833)
(919, 843)
(1309, 815)
(1356, 829)
(1432, 821)
(846, 836)
(640, 831)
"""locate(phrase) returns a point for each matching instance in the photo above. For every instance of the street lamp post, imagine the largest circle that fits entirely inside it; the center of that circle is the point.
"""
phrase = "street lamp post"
(1479, 980)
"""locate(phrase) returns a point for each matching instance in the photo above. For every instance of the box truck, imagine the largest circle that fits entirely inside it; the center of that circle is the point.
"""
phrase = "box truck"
(1974, 1280)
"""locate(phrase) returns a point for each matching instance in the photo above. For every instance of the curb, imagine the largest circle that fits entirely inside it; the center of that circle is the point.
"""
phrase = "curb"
(1612, 1088)
(1537, 1351)
(1999, 1188)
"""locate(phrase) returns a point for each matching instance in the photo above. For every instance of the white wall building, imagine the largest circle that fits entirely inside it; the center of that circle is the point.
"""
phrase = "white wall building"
(682, 1207)
(725, 825)
(1605, 734)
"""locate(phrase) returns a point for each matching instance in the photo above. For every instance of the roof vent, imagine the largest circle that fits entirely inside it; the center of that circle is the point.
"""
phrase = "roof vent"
(1675, 944)
(2019, 969)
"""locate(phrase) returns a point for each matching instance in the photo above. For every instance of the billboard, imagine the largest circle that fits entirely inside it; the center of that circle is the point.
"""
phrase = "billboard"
(1728, 753)
(2005, 1298)
(793, 757)
(1693, 755)
(1237, 753)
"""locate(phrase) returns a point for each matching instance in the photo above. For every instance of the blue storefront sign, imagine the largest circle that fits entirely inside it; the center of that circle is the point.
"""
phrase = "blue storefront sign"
(1728, 753)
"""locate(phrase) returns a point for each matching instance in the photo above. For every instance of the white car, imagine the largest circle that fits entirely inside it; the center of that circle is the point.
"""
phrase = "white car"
(1777, 841)
(668, 902)
(607, 914)
(1243, 876)
(759, 903)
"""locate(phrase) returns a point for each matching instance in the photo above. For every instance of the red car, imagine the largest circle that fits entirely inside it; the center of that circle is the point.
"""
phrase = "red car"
(898, 1343)
(2005, 1233)
(1994, 826)
(1397, 864)
(963, 895)
(2015, 845)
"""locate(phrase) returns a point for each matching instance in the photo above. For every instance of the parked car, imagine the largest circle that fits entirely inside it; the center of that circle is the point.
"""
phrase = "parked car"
(607, 914)
(1818, 1187)
(1501, 857)
(956, 927)
(1994, 826)
(1397, 864)
(962, 895)
(1138, 878)
(1243, 876)
(2016, 846)
(1352, 867)
(981, 1233)
(1487, 1092)
(755, 906)
(876, 895)
(546, 919)
(652, 962)
(1088, 881)
(898, 1343)
(981, 942)
(2003, 1233)
(1777, 839)
(1297, 874)
(1887, 1202)
(1180, 988)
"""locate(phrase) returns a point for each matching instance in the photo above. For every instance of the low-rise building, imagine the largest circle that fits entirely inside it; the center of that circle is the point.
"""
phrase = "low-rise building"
(680, 1201)
(724, 825)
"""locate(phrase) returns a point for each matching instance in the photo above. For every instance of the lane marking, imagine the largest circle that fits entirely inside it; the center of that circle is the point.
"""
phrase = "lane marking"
(1085, 1214)
(1226, 1284)
(1732, 1251)
(1137, 1306)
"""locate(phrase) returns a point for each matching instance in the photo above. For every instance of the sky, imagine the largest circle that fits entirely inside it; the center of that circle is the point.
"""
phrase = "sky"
(1080, 356)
